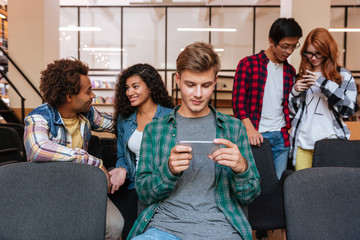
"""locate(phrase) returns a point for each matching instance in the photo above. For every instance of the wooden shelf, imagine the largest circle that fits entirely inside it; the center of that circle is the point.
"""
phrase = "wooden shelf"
(102, 104)
(225, 91)
(106, 89)
(218, 91)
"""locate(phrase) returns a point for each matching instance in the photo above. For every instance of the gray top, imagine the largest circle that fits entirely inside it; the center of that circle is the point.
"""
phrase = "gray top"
(191, 212)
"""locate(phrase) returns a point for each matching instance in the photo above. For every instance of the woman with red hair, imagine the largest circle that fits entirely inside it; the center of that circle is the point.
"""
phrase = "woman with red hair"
(323, 94)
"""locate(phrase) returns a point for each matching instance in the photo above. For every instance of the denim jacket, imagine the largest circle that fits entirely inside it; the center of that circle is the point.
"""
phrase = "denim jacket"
(126, 127)
(46, 137)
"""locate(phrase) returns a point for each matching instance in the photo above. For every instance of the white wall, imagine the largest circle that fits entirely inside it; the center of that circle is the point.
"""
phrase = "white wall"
(33, 43)
(309, 14)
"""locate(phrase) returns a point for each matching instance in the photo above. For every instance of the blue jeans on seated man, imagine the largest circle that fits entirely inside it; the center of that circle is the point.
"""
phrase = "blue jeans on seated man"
(279, 151)
(155, 234)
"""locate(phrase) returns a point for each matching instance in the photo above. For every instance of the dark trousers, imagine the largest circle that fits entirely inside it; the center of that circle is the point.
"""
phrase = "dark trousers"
(127, 202)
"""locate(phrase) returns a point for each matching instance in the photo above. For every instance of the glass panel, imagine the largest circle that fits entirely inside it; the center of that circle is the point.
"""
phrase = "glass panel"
(185, 18)
(235, 45)
(101, 49)
(353, 40)
(144, 36)
(68, 39)
(337, 17)
(264, 19)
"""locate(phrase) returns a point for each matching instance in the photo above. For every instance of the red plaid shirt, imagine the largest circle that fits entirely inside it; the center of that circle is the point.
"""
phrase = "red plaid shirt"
(248, 90)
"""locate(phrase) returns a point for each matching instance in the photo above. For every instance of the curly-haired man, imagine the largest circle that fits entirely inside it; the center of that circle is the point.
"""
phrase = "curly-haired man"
(60, 129)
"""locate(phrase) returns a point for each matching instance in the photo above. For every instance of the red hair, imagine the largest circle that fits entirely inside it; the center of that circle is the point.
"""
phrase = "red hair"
(325, 44)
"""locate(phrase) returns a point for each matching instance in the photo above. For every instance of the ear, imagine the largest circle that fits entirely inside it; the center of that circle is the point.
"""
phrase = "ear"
(216, 78)
(177, 79)
(271, 42)
(69, 98)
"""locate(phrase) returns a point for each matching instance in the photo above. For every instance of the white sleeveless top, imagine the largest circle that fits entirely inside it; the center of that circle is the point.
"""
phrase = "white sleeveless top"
(135, 143)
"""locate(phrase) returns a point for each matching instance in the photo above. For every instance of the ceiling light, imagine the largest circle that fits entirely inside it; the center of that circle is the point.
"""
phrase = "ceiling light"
(72, 28)
(102, 49)
(105, 53)
(344, 30)
(206, 29)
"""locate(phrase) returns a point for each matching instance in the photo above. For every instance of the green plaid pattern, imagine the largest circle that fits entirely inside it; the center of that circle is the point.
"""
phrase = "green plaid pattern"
(155, 182)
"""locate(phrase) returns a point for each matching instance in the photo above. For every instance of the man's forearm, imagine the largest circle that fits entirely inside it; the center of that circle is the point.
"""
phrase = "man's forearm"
(248, 124)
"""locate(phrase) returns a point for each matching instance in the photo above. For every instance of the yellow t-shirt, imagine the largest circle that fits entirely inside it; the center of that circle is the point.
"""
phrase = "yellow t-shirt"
(73, 127)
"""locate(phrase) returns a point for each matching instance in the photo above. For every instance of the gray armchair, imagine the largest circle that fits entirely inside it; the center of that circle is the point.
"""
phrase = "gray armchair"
(323, 203)
(336, 153)
(267, 211)
(52, 201)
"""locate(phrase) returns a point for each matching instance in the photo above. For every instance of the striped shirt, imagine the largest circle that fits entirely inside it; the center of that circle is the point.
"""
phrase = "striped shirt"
(155, 182)
(248, 90)
(46, 138)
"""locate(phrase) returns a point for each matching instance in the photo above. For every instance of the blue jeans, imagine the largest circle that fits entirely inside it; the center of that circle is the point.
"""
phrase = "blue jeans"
(279, 151)
(155, 234)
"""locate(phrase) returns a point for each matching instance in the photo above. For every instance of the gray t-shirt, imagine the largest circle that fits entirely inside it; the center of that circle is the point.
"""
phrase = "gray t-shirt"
(190, 212)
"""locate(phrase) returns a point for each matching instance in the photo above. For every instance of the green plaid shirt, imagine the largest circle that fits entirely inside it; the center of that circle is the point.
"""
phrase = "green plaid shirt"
(155, 182)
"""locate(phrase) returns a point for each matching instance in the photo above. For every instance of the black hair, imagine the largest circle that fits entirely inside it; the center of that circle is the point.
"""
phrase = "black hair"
(284, 27)
(153, 81)
(60, 78)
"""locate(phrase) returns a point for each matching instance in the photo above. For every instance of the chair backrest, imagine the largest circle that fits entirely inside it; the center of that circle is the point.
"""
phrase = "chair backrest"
(52, 201)
(10, 155)
(108, 152)
(323, 203)
(267, 211)
(336, 153)
(9, 138)
(103, 148)
(94, 147)
(19, 127)
(265, 164)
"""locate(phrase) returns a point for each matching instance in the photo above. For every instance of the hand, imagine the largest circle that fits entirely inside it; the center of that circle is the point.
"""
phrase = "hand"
(107, 177)
(312, 77)
(179, 159)
(255, 138)
(229, 156)
(117, 178)
(306, 82)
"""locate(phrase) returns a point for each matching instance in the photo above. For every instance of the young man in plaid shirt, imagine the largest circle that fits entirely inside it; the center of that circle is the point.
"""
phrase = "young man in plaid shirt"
(195, 196)
(261, 91)
(60, 129)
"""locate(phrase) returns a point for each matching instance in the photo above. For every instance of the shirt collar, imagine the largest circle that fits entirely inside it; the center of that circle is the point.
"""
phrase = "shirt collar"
(265, 59)
(159, 110)
(263, 56)
(219, 118)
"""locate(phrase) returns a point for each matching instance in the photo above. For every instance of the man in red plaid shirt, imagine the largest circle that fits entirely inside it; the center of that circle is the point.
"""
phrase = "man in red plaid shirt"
(261, 91)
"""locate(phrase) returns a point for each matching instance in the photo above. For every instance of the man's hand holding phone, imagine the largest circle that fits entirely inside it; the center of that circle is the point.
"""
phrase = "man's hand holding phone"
(179, 159)
(229, 156)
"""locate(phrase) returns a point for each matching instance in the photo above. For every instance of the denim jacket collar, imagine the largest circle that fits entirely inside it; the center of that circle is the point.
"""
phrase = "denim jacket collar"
(157, 115)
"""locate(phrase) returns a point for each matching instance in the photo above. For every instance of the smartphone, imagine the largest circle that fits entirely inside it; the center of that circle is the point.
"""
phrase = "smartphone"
(201, 147)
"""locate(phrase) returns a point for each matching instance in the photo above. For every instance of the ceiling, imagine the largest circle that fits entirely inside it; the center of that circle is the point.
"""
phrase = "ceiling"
(185, 2)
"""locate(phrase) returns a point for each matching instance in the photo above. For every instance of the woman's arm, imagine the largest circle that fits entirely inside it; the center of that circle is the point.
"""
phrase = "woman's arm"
(343, 97)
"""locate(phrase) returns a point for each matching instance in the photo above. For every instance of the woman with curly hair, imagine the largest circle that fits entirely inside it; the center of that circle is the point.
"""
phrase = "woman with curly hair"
(323, 94)
(140, 97)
